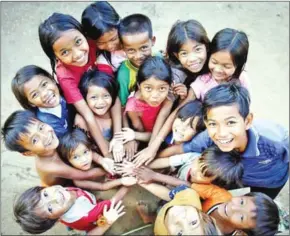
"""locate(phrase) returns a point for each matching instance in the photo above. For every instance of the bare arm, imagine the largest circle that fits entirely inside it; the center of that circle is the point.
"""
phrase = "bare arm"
(121, 193)
(116, 114)
(96, 185)
(159, 163)
(99, 230)
(170, 151)
(136, 121)
(157, 190)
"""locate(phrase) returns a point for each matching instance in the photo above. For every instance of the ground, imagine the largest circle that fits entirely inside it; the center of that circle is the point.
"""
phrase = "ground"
(266, 24)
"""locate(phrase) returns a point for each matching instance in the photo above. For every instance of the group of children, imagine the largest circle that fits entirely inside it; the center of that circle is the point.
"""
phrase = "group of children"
(114, 109)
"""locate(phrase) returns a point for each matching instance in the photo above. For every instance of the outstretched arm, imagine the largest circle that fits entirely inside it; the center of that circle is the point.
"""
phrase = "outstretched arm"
(157, 190)
(170, 151)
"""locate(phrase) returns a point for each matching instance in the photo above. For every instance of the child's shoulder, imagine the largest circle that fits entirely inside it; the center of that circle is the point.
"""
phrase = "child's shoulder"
(204, 78)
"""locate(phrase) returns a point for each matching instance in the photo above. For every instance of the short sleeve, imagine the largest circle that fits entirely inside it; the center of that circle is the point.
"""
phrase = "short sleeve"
(197, 87)
(176, 190)
(180, 159)
(131, 104)
(70, 89)
(245, 82)
(123, 78)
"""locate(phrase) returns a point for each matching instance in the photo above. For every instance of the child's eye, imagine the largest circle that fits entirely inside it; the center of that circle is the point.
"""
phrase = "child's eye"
(86, 151)
(193, 222)
(45, 194)
(242, 218)
(211, 124)
(162, 89)
(231, 122)
(130, 50)
(198, 49)
(34, 141)
(34, 95)
(144, 48)
(182, 54)
(44, 84)
(148, 89)
(213, 62)
(64, 53)
(242, 202)
(49, 208)
(93, 97)
(115, 38)
(78, 42)
(41, 127)
(107, 96)
(75, 157)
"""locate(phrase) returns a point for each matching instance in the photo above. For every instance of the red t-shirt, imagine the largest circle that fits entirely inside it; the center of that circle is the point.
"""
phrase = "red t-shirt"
(69, 76)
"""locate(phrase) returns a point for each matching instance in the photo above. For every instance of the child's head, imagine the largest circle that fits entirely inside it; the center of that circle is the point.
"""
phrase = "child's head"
(224, 169)
(39, 208)
(188, 122)
(153, 80)
(188, 46)
(23, 132)
(76, 148)
(226, 113)
(136, 35)
(100, 22)
(100, 90)
(229, 52)
(254, 213)
(61, 37)
(35, 87)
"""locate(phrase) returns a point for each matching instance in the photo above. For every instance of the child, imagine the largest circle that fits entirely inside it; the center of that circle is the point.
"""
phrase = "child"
(36, 90)
(62, 39)
(100, 91)
(39, 208)
(264, 147)
(75, 149)
(24, 133)
(100, 22)
(229, 52)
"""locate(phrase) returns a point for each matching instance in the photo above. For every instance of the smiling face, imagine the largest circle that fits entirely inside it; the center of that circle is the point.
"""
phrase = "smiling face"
(196, 174)
(81, 158)
(154, 91)
(41, 92)
(138, 47)
(109, 41)
(227, 128)
(240, 212)
(192, 56)
(40, 139)
(54, 202)
(72, 48)
(221, 66)
(99, 100)
(184, 130)
(183, 220)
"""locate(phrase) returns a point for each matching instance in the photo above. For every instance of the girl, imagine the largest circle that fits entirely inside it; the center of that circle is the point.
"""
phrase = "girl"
(75, 149)
(62, 39)
(100, 22)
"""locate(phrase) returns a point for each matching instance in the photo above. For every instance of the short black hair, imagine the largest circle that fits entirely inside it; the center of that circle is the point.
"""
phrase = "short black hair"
(191, 110)
(226, 166)
(99, 18)
(267, 217)
(22, 76)
(24, 212)
(15, 126)
(226, 95)
(135, 24)
(100, 79)
(157, 67)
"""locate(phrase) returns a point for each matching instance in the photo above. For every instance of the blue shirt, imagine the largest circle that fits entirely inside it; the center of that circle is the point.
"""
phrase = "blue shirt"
(266, 156)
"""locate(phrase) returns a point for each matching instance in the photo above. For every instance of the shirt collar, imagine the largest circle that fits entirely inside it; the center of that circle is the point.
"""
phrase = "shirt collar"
(131, 66)
(252, 146)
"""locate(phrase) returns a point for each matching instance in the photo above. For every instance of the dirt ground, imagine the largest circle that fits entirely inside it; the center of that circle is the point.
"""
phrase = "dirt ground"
(266, 24)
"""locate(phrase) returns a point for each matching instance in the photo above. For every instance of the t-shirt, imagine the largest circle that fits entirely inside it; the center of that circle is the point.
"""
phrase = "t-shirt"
(117, 57)
(86, 213)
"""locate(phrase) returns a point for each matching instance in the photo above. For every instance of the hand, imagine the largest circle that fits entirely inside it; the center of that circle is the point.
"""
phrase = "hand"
(126, 135)
(130, 149)
(108, 165)
(144, 156)
(113, 213)
(128, 181)
(180, 90)
(118, 149)
(125, 169)
(144, 175)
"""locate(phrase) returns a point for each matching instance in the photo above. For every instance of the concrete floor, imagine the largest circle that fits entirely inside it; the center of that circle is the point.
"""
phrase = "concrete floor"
(266, 24)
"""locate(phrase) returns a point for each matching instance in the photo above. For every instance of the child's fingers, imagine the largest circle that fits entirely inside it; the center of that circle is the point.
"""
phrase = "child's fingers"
(123, 213)
(120, 209)
(113, 202)
(105, 209)
(118, 205)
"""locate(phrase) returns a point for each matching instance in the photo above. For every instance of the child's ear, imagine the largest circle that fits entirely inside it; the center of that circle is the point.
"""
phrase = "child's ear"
(27, 153)
(153, 40)
(249, 120)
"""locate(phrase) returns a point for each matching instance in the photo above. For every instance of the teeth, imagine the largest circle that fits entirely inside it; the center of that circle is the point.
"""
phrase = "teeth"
(224, 141)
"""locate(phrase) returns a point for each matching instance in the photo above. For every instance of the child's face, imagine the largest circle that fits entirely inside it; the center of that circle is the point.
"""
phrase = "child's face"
(72, 48)
(240, 212)
(40, 139)
(227, 128)
(81, 158)
(54, 202)
(99, 100)
(184, 130)
(183, 220)
(221, 66)
(196, 175)
(138, 47)
(154, 91)
(42, 92)
(192, 56)
(109, 41)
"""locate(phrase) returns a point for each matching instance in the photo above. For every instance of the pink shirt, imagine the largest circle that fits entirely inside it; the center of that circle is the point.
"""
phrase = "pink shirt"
(148, 113)
(204, 83)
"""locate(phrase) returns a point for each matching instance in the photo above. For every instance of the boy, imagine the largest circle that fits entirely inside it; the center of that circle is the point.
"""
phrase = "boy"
(264, 147)
(24, 133)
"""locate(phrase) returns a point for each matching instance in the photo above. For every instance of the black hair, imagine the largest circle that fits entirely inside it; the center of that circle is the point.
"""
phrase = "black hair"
(236, 43)
(191, 110)
(51, 29)
(135, 24)
(157, 67)
(267, 215)
(226, 166)
(14, 127)
(101, 79)
(226, 95)
(24, 212)
(70, 141)
(22, 76)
